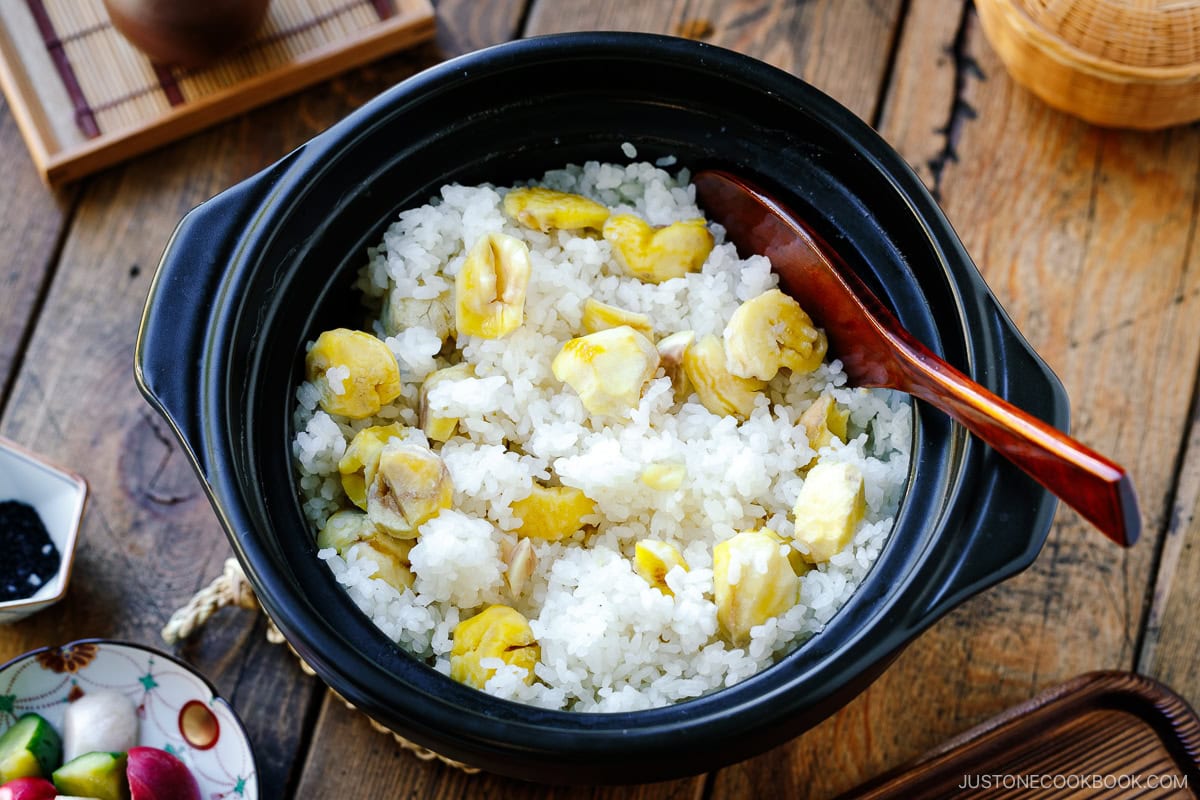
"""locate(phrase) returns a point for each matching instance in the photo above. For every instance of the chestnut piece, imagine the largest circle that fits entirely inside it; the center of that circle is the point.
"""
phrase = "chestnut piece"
(185, 33)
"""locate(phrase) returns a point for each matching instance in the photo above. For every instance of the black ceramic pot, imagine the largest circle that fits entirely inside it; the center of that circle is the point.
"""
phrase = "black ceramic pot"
(257, 271)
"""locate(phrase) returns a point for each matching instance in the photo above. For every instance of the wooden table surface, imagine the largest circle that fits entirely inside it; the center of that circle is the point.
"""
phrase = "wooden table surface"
(1086, 236)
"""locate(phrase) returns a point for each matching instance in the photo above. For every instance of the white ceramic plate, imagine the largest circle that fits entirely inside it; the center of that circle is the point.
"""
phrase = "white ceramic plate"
(178, 710)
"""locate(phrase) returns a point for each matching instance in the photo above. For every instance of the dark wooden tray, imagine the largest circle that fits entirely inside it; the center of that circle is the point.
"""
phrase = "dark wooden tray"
(1104, 734)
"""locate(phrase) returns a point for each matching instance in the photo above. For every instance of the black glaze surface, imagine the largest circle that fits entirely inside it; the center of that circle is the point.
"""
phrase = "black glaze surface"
(254, 273)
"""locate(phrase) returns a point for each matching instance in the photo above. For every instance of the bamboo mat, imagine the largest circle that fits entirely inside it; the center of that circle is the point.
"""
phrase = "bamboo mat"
(85, 98)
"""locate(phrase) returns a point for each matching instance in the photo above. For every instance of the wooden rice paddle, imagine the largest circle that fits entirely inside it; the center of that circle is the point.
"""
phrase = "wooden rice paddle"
(877, 351)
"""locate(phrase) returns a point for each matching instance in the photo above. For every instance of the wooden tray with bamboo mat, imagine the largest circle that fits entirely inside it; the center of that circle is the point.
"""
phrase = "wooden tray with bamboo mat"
(85, 98)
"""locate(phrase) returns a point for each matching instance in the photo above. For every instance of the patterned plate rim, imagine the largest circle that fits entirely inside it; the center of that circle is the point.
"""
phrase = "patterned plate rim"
(214, 695)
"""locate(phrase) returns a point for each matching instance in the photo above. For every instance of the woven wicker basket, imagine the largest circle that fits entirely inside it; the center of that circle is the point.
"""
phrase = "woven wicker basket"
(1118, 63)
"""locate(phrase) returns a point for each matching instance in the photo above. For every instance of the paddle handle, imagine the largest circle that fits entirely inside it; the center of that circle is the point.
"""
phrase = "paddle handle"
(876, 350)
(1096, 487)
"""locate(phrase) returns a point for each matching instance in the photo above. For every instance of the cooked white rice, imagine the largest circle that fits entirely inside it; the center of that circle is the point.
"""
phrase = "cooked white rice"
(609, 641)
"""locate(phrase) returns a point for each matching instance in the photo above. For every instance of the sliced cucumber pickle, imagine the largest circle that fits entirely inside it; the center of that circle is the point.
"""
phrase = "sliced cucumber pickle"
(98, 775)
(29, 749)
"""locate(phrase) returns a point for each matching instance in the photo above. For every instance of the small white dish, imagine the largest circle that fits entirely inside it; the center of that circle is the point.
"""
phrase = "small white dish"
(178, 710)
(58, 496)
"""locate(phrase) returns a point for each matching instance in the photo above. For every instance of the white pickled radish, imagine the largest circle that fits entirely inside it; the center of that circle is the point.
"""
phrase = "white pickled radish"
(99, 721)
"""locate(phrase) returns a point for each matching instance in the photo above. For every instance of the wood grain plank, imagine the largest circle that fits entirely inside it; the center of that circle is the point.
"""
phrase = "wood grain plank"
(841, 46)
(388, 770)
(1086, 237)
(1171, 643)
(466, 25)
(33, 223)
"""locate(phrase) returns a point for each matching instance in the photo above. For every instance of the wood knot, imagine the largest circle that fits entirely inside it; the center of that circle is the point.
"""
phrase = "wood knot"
(154, 470)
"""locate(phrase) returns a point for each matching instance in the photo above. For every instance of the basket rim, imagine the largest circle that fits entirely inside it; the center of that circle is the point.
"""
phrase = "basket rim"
(1054, 46)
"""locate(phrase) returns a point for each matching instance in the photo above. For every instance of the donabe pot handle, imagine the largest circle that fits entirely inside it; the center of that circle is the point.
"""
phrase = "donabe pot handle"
(1004, 516)
(170, 363)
